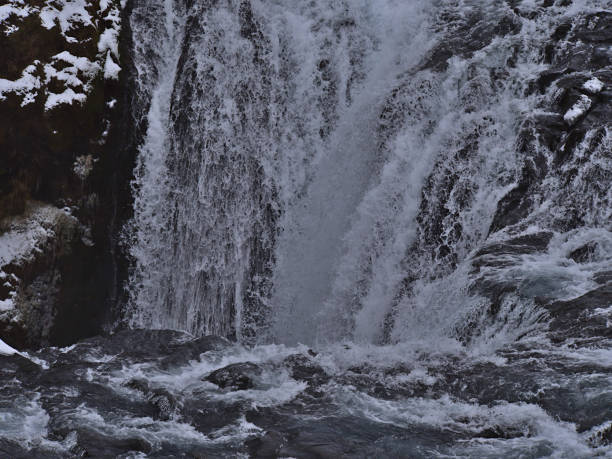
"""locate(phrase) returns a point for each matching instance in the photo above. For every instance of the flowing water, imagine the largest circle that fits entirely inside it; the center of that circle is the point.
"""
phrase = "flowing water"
(379, 204)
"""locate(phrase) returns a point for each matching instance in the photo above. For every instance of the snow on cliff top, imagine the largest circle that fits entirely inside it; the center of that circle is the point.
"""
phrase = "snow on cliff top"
(70, 16)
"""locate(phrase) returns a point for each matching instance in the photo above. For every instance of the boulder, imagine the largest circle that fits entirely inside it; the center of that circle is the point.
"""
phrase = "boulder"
(238, 376)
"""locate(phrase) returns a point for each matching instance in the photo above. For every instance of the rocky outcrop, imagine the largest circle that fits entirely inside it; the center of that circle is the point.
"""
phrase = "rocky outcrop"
(64, 167)
(561, 185)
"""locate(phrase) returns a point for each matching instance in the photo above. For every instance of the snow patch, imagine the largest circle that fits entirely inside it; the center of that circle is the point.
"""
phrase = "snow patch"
(26, 236)
(8, 304)
(67, 13)
(25, 86)
(111, 70)
(67, 97)
(579, 109)
(6, 11)
(104, 4)
(70, 75)
(68, 16)
(593, 86)
(109, 41)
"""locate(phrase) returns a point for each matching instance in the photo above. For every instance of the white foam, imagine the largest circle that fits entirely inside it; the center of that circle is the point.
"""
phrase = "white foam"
(26, 421)
(532, 424)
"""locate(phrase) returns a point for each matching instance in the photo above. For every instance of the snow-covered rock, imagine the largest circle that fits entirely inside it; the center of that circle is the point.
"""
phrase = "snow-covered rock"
(70, 18)
(5, 349)
(581, 106)
(111, 70)
(593, 86)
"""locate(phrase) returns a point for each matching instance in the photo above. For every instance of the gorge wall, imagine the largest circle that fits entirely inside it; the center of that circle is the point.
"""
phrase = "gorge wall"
(65, 167)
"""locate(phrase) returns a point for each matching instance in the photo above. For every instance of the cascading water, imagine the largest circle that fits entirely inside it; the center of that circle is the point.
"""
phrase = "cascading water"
(420, 191)
(324, 171)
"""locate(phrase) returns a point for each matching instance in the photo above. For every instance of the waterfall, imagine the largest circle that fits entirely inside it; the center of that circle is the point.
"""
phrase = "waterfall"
(335, 170)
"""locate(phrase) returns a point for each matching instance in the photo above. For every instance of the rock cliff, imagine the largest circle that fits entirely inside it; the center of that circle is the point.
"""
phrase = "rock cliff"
(64, 167)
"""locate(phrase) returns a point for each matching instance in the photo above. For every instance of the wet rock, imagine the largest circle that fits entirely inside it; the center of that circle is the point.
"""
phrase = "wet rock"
(207, 415)
(139, 344)
(175, 348)
(516, 204)
(14, 450)
(598, 28)
(97, 444)
(493, 255)
(181, 354)
(309, 444)
(52, 244)
(267, 446)
(238, 376)
(603, 277)
(521, 245)
(577, 318)
(503, 432)
(163, 402)
(303, 368)
(601, 437)
(11, 364)
(468, 33)
(583, 254)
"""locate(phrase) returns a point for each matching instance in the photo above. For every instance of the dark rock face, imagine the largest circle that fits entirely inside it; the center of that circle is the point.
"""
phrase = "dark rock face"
(65, 165)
